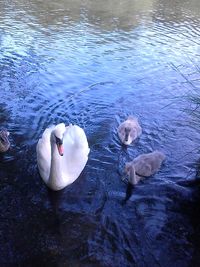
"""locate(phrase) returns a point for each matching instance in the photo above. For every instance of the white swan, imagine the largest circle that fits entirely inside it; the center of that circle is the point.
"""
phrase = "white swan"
(62, 154)
(143, 166)
(129, 130)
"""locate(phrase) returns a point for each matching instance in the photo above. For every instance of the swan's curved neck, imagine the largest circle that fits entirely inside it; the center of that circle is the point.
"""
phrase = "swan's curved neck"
(55, 176)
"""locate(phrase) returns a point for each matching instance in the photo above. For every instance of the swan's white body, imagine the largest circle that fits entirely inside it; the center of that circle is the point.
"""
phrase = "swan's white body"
(59, 171)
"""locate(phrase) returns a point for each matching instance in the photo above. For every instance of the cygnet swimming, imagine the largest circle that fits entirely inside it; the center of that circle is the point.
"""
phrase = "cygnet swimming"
(143, 166)
(129, 130)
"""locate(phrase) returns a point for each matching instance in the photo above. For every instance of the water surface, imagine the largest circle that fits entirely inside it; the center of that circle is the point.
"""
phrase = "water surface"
(93, 63)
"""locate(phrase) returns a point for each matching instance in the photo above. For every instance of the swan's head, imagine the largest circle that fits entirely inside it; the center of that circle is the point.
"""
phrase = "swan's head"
(4, 142)
(58, 134)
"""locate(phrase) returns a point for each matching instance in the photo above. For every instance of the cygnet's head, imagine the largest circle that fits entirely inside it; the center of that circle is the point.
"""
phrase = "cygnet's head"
(4, 142)
(57, 135)
(130, 173)
(127, 168)
(127, 134)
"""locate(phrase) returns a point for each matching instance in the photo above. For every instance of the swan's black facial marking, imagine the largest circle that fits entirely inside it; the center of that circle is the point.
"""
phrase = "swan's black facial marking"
(59, 141)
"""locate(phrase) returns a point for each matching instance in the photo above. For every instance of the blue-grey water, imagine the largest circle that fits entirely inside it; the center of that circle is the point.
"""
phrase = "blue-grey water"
(93, 63)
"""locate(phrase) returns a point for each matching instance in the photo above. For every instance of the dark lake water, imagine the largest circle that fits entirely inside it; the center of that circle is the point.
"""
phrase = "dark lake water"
(93, 63)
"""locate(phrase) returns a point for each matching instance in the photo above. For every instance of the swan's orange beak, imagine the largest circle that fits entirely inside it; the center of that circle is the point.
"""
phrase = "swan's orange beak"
(60, 149)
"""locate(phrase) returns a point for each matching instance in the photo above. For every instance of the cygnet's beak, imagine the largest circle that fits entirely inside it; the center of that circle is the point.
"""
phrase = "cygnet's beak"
(126, 137)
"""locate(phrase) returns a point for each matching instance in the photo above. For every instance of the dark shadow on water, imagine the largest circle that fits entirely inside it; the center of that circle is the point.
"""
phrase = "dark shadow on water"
(129, 191)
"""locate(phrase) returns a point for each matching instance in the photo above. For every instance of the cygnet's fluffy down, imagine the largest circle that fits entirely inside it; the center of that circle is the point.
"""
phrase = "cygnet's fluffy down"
(129, 130)
(143, 166)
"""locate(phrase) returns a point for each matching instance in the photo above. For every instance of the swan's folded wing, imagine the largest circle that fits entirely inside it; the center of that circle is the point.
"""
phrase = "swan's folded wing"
(43, 150)
(78, 136)
(73, 162)
(75, 152)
